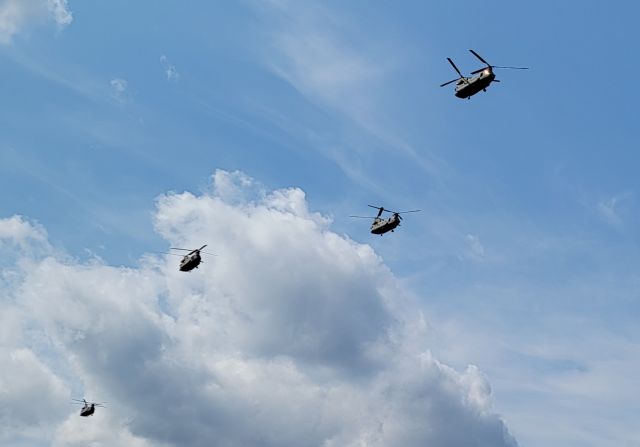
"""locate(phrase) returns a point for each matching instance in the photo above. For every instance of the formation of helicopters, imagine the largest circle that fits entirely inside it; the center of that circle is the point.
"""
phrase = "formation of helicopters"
(466, 87)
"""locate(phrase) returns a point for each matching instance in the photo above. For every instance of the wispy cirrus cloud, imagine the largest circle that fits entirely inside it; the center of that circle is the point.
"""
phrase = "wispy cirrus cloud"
(610, 208)
(318, 53)
(18, 15)
(170, 70)
(119, 89)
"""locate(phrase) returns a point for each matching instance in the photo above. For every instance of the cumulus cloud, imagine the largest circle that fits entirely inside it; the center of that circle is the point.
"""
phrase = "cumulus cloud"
(17, 15)
(18, 230)
(293, 335)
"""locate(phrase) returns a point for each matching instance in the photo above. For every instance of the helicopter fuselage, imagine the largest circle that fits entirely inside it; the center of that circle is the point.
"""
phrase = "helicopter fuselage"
(87, 410)
(467, 87)
(190, 262)
(381, 226)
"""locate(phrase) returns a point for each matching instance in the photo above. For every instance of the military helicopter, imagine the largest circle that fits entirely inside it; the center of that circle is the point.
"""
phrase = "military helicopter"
(88, 408)
(192, 259)
(380, 225)
(466, 87)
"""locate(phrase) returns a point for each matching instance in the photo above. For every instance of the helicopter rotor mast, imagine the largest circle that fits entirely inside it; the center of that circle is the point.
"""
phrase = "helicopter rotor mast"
(457, 71)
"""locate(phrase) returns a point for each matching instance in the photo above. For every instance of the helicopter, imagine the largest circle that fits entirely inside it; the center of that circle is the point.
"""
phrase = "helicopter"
(466, 87)
(192, 259)
(88, 408)
(381, 225)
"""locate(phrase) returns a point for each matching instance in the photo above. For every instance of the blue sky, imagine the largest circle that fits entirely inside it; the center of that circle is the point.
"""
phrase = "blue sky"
(525, 256)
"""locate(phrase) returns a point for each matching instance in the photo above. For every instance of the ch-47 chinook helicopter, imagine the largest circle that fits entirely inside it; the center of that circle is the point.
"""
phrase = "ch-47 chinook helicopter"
(88, 408)
(380, 225)
(466, 87)
(192, 259)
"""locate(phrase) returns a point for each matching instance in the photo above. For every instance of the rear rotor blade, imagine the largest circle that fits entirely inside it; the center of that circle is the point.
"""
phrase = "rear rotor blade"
(202, 247)
(511, 68)
(454, 67)
(364, 217)
(480, 57)
(376, 207)
(405, 212)
(183, 249)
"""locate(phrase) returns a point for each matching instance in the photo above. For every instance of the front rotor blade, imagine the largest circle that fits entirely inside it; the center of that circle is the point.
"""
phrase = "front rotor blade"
(480, 57)
(364, 217)
(454, 66)
(183, 249)
(376, 207)
(202, 247)
(447, 83)
(479, 70)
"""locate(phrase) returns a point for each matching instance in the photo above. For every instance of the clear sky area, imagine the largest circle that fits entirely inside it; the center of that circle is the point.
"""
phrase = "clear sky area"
(503, 314)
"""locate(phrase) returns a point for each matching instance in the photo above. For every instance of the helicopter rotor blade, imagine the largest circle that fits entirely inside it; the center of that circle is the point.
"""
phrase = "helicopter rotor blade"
(364, 217)
(511, 68)
(447, 83)
(379, 208)
(183, 249)
(496, 80)
(480, 57)
(454, 67)
(199, 249)
(404, 212)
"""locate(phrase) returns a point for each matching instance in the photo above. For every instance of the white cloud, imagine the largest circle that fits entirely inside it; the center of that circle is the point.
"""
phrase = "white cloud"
(16, 15)
(476, 249)
(610, 208)
(32, 397)
(61, 13)
(293, 335)
(17, 229)
(119, 89)
(170, 70)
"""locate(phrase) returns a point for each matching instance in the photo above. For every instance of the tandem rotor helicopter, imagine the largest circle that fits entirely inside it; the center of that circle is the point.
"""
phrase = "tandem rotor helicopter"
(88, 408)
(192, 259)
(381, 225)
(466, 87)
